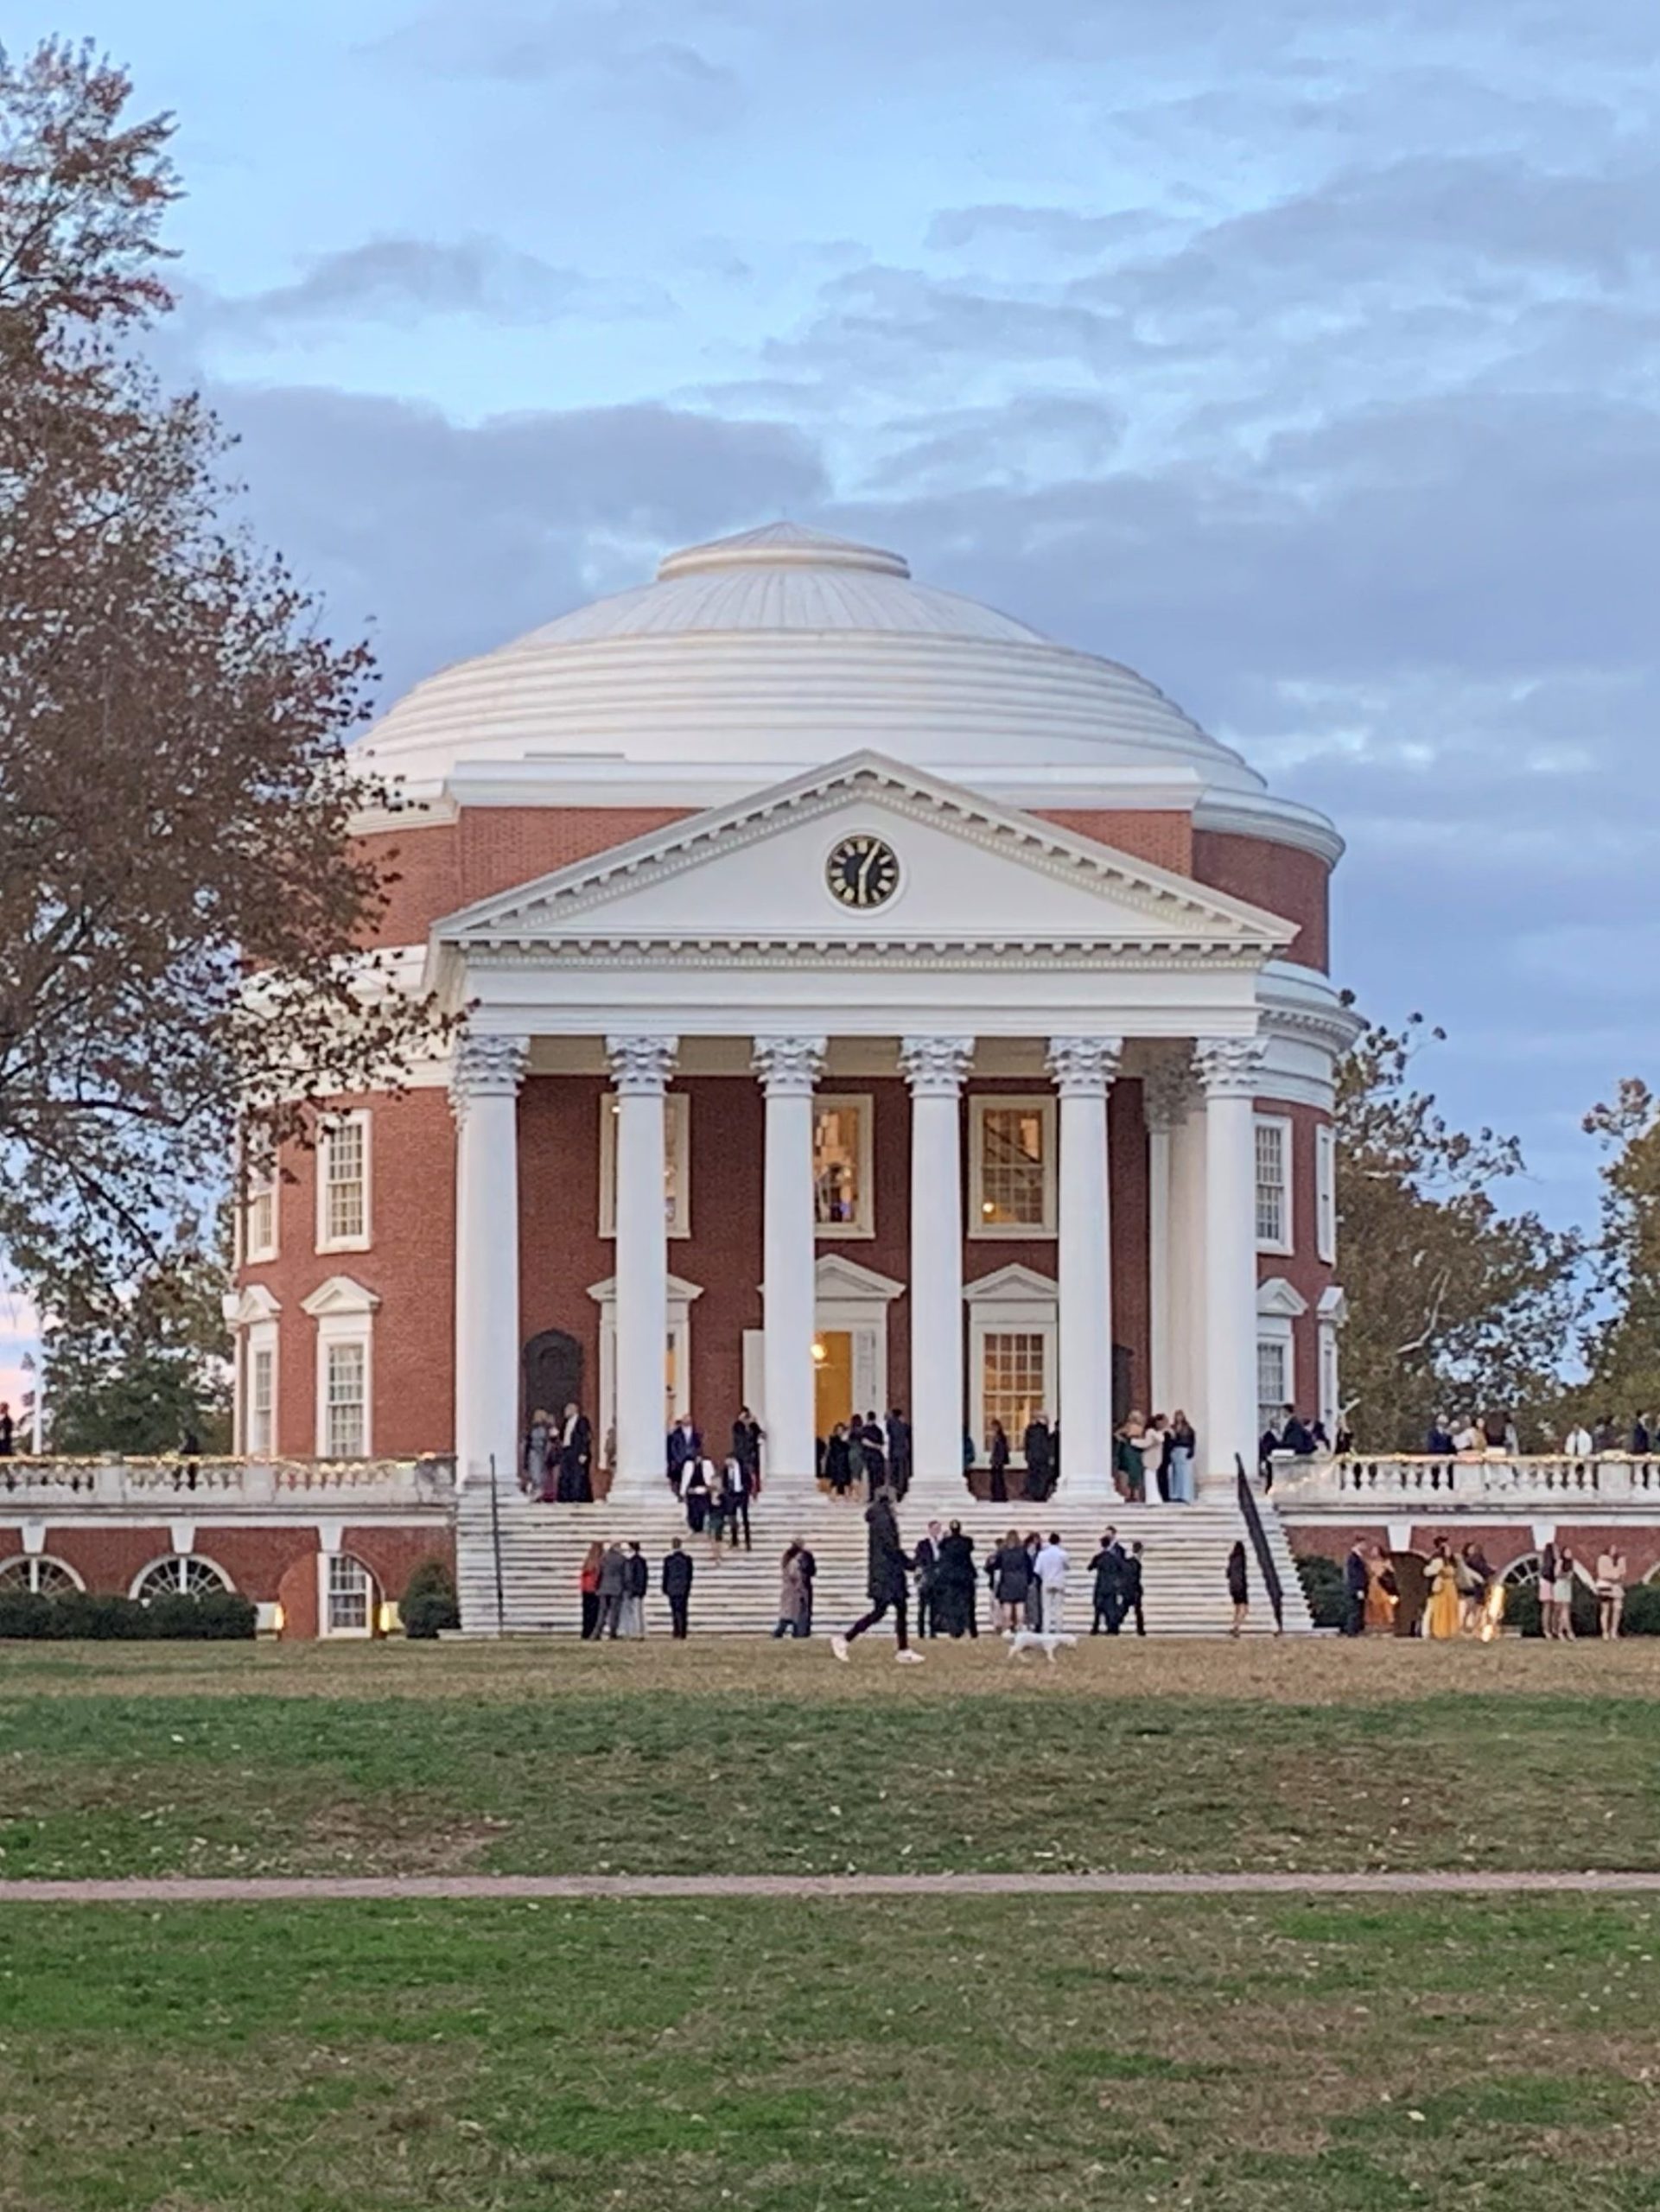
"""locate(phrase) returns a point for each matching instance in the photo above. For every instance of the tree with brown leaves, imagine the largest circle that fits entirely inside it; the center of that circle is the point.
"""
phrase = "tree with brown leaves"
(176, 793)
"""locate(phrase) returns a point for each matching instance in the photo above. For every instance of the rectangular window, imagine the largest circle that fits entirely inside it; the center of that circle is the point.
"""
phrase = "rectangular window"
(259, 1208)
(1273, 1381)
(844, 1201)
(677, 1163)
(349, 1597)
(1326, 1193)
(1330, 1411)
(345, 1381)
(1014, 1167)
(343, 1185)
(1273, 1185)
(1014, 1380)
(262, 1377)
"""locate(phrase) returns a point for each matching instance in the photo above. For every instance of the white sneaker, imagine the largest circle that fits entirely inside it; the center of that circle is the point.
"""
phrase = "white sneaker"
(839, 1648)
(908, 1658)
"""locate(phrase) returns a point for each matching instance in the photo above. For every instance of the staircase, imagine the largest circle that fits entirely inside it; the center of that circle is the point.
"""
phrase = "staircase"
(1185, 1550)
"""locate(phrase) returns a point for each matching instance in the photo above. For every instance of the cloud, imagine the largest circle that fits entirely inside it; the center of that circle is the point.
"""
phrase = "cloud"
(1058, 230)
(401, 279)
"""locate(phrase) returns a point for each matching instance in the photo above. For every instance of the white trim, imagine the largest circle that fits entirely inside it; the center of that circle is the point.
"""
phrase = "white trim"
(677, 1138)
(1011, 1300)
(1333, 1304)
(1326, 1193)
(1282, 1125)
(360, 1118)
(1275, 1329)
(34, 1561)
(1281, 1301)
(863, 1104)
(681, 1295)
(261, 1340)
(261, 1185)
(344, 1312)
(1326, 1374)
(851, 1299)
(326, 1631)
(184, 1560)
(981, 1103)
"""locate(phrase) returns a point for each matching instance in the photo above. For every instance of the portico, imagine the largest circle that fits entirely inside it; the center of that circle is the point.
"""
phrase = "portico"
(1003, 952)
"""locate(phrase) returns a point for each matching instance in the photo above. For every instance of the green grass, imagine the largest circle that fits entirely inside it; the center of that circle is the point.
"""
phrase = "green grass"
(759, 1764)
(932, 2056)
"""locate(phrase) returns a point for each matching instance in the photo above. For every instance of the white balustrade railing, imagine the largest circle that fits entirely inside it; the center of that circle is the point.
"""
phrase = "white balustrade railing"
(1468, 1482)
(280, 1486)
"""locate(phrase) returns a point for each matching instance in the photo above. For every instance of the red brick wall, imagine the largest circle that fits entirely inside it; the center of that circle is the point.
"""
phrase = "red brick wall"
(1166, 838)
(257, 1559)
(1286, 882)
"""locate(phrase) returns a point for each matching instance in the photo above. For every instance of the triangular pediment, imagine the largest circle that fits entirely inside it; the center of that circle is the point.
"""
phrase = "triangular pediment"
(968, 872)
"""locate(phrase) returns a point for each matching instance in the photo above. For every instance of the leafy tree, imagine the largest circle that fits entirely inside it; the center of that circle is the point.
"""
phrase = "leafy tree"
(137, 1373)
(1455, 1305)
(1623, 1348)
(177, 796)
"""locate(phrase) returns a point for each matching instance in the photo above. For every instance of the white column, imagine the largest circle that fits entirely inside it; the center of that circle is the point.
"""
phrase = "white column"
(1083, 1068)
(1165, 1096)
(484, 1084)
(640, 1067)
(934, 1067)
(788, 1068)
(1227, 1068)
(1187, 1276)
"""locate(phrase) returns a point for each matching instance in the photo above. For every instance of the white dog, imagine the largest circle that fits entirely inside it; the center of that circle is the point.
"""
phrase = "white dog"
(1035, 1639)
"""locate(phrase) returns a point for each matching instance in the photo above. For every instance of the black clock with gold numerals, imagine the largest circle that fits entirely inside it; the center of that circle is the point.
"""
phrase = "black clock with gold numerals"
(863, 872)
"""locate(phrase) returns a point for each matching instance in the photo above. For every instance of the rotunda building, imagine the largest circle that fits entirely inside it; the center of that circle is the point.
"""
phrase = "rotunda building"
(868, 1003)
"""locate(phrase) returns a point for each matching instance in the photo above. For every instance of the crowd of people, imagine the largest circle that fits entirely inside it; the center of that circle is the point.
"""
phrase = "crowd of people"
(1464, 1596)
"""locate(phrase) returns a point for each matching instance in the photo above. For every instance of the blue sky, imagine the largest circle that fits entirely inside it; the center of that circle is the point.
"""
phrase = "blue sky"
(1302, 354)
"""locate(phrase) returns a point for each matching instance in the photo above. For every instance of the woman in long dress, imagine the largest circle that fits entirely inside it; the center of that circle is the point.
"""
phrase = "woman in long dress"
(1442, 1616)
(1383, 1592)
(1238, 1588)
(539, 1441)
(1183, 1445)
(997, 1461)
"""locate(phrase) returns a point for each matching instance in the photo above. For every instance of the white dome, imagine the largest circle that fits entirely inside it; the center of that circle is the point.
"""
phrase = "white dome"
(785, 648)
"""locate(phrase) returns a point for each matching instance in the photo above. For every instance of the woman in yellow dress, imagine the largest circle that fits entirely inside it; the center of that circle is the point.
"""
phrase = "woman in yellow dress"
(1383, 1592)
(1443, 1615)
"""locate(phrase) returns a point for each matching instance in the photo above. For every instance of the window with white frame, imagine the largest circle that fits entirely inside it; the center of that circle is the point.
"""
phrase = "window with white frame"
(261, 1436)
(1326, 1192)
(844, 1198)
(41, 1576)
(1273, 1184)
(346, 1398)
(1014, 1380)
(1274, 1380)
(1012, 1166)
(343, 1185)
(183, 1575)
(1330, 1405)
(348, 1596)
(259, 1206)
(677, 1163)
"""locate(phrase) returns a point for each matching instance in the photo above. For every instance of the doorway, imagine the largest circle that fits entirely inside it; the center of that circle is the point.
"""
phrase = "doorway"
(832, 1354)
(552, 1364)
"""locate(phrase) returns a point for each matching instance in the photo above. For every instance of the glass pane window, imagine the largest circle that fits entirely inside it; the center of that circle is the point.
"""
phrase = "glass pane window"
(677, 1138)
(180, 1577)
(1013, 1381)
(259, 1221)
(350, 1595)
(1273, 1380)
(346, 1407)
(839, 1197)
(1013, 1167)
(346, 1209)
(1326, 1193)
(261, 1380)
(41, 1578)
(1272, 1178)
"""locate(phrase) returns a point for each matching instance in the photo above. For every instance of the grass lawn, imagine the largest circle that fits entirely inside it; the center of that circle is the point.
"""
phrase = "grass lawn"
(755, 1758)
(935, 2057)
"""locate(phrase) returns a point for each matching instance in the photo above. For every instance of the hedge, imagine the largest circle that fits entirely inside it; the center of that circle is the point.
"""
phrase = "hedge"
(428, 1606)
(218, 1616)
(1322, 1585)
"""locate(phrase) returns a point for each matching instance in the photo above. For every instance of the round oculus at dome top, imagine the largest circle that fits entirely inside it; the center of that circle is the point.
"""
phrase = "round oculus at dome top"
(785, 648)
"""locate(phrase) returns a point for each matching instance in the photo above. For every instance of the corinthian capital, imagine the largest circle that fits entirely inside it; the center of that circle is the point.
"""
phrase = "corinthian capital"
(935, 1066)
(788, 1066)
(486, 1067)
(1228, 1065)
(641, 1065)
(1084, 1067)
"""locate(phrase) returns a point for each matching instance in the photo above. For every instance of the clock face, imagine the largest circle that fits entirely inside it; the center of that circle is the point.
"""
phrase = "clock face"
(863, 872)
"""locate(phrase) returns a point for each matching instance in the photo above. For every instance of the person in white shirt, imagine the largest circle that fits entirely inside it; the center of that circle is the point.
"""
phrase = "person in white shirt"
(1577, 1442)
(1049, 1568)
(1469, 1439)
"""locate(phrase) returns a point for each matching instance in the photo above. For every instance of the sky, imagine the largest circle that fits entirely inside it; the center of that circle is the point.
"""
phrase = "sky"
(1301, 354)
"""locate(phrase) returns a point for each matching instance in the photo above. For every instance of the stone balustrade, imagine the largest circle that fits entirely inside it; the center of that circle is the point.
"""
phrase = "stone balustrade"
(1468, 1484)
(265, 1487)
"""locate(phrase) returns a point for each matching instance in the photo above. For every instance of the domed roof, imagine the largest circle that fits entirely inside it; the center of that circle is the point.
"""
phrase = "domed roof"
(783, 648)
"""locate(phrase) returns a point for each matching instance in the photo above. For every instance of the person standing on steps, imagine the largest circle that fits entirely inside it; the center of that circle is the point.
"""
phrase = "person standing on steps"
(886, 1568)
(740, 1482)
(997, 1462)
(747, 1437)
(1239, 1587)
(1050, 1566)
(1039, 1447)
(676, 1587)
(1130, 1591)
(684, 1443)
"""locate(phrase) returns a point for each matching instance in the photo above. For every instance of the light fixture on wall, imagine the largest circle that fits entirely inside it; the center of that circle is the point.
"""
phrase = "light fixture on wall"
(819, 1354)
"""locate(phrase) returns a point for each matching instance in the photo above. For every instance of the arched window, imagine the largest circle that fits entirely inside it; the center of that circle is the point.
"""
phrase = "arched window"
(1522, 1574)
(41, 1577)
(181, 1576)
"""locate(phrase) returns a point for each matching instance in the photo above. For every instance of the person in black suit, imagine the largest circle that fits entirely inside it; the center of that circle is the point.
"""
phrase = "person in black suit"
(875, 1437)
(1108, 1568)
(1355, 1579)
(676, 1587)
(739, 1483)
(886, 1567)
(574, 1482)
(928, 1589)
(747, 1437)
(899, 1453)
(997, 1461)
(1129, 1591)
(684, 1443)
(1038, 1445)
(957, 1586)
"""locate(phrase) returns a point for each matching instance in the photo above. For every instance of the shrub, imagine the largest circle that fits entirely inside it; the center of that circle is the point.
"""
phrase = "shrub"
(101, 1616)
(1642, 1613)
(24, 1615)
(428, 1604)
(217, 1616)
(1522, 1609)
(1322, 1585)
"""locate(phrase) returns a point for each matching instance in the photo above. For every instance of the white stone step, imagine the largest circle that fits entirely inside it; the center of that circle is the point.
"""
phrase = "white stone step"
(1184, 1553)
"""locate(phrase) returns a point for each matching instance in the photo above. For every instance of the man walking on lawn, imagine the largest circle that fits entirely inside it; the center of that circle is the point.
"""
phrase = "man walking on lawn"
(1050, 1566)
(888, 1568)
